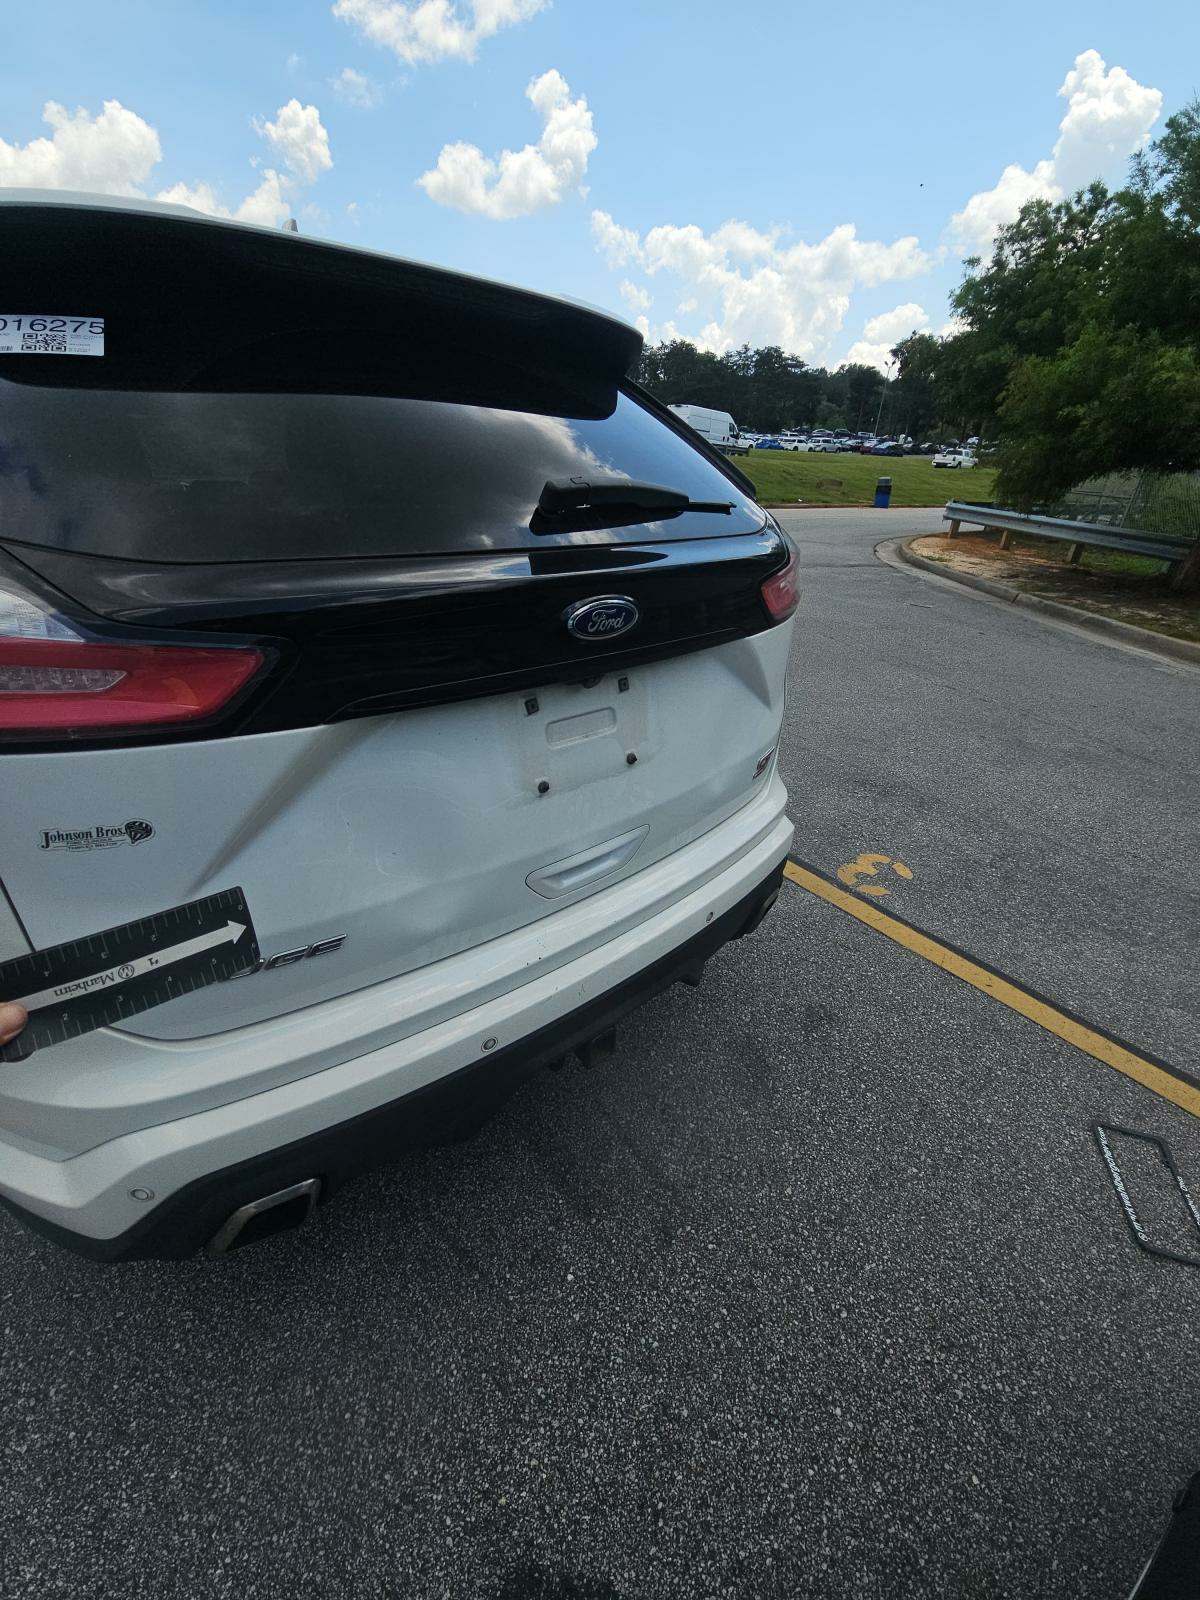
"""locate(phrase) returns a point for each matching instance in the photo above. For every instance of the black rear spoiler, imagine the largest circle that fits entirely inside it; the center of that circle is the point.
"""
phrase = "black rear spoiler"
(194, 303)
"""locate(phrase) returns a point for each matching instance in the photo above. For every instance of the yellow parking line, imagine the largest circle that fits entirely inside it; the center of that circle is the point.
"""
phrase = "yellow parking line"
(1157, 1076)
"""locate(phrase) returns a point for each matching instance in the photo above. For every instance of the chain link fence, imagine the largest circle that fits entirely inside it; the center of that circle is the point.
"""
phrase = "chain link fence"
(1151, 502)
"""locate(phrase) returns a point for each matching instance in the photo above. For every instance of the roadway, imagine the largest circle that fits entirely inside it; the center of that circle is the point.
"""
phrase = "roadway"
(818, 1287)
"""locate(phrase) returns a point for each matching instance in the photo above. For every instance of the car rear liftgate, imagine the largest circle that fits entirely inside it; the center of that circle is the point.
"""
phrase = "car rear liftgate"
(429, 758)
(415, 635)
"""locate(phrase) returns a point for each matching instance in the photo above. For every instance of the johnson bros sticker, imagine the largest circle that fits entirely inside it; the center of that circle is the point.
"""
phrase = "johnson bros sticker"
(40, 334)
(101, 836)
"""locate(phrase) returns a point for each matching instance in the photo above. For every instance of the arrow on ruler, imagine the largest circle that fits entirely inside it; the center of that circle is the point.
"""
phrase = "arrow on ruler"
(127, 970)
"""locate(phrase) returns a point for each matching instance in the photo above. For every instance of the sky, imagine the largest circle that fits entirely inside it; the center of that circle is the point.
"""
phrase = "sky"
(783, 173)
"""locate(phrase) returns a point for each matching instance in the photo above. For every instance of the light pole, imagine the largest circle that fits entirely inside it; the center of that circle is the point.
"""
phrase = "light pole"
(887, 373)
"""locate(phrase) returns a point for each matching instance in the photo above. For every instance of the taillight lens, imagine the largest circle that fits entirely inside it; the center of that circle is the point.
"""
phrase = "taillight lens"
(56, 680)
(781, 591)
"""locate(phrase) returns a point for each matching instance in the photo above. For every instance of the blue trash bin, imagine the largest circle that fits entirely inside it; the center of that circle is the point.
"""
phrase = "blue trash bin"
(883, 492)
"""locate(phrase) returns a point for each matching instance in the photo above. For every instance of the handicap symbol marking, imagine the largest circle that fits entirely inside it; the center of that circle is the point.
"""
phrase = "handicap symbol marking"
(869, 865)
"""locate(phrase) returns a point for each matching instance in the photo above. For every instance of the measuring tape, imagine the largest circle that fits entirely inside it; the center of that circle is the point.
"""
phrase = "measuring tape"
(111, 976)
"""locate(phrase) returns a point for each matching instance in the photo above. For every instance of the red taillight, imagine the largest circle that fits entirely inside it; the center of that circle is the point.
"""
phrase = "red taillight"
(781, 591)
(80, 686)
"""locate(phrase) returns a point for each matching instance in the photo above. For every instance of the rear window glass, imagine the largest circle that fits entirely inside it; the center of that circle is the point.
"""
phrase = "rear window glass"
(249, 477)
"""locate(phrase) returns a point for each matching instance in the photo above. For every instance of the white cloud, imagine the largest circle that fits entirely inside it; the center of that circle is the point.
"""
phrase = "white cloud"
(434, 30)
(116, 152)
(882, 332)
(113, 153)
(898, 323)
(619, 246)
(356, 89)
(200, 196)
(519, 182)
(268, 205)
(302, 143)
(753, 286)
(300, 139)
(975, 226)
(1109, 116)
(635, 297)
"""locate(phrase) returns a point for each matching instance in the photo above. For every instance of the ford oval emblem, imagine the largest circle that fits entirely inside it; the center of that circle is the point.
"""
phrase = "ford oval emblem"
(602, 618)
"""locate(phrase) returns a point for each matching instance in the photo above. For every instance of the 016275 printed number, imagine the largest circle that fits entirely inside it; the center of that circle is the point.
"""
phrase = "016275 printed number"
(52, 324)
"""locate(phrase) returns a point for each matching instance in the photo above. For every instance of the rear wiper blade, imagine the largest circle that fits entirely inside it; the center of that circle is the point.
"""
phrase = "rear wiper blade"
(562, 497)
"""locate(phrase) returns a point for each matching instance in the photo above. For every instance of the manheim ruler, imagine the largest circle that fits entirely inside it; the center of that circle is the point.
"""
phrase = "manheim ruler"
(109, 977)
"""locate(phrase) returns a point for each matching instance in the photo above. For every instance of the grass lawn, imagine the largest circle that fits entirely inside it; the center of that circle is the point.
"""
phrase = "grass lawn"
(1094, 558)
(783, 477)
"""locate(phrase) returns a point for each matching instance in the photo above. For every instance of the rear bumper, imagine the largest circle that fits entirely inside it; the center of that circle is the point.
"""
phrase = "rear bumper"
(426, 1089)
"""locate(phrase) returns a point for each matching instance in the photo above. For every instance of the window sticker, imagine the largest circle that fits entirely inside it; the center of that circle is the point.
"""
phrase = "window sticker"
(37, 334)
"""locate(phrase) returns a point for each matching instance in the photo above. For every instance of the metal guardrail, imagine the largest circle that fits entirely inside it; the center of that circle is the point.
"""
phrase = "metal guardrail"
(1076, 534)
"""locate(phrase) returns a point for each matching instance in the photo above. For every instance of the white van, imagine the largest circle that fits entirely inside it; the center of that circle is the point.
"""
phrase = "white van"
(718, 427)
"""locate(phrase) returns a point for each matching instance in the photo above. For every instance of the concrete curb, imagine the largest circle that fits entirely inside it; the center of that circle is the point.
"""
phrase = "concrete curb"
(1159, 644)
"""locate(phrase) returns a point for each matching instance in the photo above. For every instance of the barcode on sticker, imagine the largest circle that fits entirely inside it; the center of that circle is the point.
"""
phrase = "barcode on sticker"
(37, 334)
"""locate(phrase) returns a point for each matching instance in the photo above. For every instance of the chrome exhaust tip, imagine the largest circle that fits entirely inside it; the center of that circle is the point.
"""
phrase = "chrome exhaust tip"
(272, 1213)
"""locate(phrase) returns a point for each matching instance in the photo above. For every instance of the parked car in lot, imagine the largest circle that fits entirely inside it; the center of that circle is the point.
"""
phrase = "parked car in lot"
(792, 441)
(826, 446)
(769, 443)
(469, 837)
(887, 447)
(954, 458)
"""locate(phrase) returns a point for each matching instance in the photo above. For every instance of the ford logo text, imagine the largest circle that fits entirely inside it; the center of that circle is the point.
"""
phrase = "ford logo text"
(602, 618)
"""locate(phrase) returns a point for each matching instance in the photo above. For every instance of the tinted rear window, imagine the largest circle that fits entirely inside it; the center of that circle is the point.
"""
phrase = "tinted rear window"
(249, 477)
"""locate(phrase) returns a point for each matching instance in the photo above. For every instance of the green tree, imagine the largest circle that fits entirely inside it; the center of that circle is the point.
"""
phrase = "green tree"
(762, 388)
(862, 386)
(830, 415)
(679, 374)
(784, 390)
(914, 398)
(1081, 345)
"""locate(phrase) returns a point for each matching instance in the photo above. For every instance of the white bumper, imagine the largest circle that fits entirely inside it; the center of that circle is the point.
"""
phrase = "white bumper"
(520, 983)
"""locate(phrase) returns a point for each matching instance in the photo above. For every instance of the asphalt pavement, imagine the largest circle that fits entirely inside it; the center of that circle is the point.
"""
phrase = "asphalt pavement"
(819, 1287)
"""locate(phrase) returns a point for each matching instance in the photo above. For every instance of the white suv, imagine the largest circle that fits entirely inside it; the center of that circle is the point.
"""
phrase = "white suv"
(380, 595)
